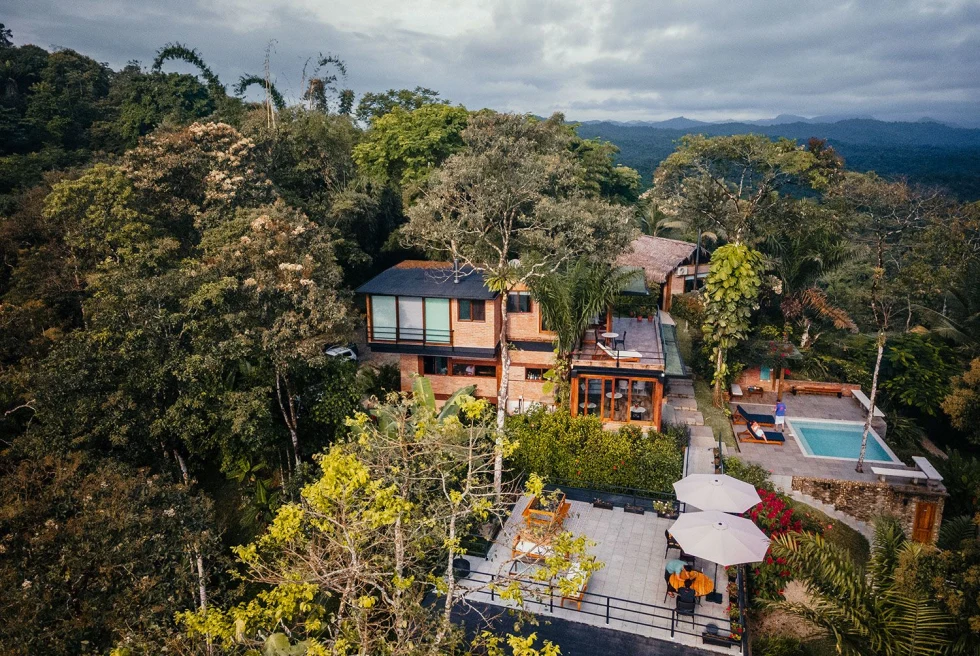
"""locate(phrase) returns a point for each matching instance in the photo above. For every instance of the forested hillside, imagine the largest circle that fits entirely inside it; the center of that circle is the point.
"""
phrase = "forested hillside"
(924, 152)
(186, 467)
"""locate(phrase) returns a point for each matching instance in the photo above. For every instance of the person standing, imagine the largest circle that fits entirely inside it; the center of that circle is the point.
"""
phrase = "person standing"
(780, 413)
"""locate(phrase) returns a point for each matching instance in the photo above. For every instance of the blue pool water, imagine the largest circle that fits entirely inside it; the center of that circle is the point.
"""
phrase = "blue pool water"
(837, 440)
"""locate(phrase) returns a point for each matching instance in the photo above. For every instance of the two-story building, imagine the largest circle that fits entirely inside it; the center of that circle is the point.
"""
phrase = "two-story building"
(444, 324)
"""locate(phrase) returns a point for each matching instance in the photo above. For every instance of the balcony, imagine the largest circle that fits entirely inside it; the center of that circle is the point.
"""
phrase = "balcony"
(407, 335)
(642, 348)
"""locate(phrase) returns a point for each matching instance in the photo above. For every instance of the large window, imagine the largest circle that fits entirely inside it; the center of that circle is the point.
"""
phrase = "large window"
(410, 319)
(628, 400)
(435, 366)
(474, 369)
(519, 302)
(472, 310)
(533, 373)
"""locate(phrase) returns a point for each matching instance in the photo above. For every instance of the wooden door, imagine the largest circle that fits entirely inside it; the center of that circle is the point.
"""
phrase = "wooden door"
(925, 518)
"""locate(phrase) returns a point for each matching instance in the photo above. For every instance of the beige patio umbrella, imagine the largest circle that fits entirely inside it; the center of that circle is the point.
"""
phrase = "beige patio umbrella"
(716, 492)
(720, 538)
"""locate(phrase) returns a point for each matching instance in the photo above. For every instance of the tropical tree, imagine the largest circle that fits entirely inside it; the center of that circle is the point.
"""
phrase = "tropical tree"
(378, 531)
(730, 292)
(568, 301)
(376, 105)
(727, 184)
(190, 56)
(872, 610)
(510, 207)
(963, 402)
(886, 219)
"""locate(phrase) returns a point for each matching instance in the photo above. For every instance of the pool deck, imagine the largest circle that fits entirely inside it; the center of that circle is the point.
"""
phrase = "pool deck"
(788, 460)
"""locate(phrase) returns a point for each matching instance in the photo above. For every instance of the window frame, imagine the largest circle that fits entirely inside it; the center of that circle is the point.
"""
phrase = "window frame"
(520, 295)
(471, 363)
(424, 358)
(539, 379)
(471, 303)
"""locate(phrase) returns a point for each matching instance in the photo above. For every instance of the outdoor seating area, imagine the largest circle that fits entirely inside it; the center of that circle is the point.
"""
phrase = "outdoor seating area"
(662, 578)
(636, 340)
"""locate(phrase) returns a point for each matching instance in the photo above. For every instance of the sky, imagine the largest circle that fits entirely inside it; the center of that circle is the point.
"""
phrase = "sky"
(591, 59)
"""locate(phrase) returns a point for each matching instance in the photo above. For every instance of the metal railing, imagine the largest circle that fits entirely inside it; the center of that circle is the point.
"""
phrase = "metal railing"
(634, 613)
(617, 495)
(424, 336)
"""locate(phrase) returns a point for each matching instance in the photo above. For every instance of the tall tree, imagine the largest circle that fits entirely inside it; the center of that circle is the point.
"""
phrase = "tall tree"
(509, 206)
(727, 184)
(886, 218)
(376, 105)
(730, 293)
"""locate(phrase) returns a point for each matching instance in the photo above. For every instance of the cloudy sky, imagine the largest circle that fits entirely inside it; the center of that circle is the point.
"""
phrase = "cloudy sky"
(592, 59)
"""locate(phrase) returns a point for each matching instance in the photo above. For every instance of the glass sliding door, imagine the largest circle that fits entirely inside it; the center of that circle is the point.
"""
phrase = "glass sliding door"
(384, 322)
(410, 319)
(437, 321)
(641, 401)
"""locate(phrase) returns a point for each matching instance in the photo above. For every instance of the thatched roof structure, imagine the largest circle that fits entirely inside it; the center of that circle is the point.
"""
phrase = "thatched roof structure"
(657, 256)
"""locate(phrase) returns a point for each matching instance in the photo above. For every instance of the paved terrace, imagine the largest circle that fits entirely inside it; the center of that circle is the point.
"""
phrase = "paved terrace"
(788, 460)
(632, 548)
(641, 335)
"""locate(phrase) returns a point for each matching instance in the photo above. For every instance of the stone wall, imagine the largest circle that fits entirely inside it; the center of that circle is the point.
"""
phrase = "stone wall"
(867, 500)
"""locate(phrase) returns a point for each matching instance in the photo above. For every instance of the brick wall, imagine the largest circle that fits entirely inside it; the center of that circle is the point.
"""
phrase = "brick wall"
(531, 390)
(753, 376)
(475, 334)
(443, 386)
(866, 501)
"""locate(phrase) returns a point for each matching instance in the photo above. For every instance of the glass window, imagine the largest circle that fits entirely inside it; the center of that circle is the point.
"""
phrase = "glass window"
(410, 318)
(472, 310)
(519, 302)
(765, 373)
(533, 373)
(383, 315)
(474, 369)
(437, 320)
(641, 400)
(435, 366)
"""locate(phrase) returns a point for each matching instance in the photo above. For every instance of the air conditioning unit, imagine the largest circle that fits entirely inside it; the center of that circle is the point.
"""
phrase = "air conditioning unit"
(682, 271)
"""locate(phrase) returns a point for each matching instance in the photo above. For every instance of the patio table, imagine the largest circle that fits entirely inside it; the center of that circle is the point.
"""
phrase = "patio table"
(700, 583)
(609, 337)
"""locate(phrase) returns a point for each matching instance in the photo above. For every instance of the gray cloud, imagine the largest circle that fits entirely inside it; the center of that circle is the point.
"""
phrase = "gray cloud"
(619, 59)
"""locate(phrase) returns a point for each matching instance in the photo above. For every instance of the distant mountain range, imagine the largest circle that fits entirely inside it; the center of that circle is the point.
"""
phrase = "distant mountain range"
(925, 151)
(684, 123)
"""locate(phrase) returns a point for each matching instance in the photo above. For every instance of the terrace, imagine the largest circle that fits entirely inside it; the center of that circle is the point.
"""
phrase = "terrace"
(629, 594)
(638, 345)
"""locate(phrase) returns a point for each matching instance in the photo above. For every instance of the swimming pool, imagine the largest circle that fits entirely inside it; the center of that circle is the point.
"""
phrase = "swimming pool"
(826, 438)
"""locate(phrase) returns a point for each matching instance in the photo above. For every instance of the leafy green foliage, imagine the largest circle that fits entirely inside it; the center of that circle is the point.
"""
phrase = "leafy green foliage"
(375, 105)
(97, 552)
(864, 610)
(578, 451)
(916, 373)
(961, 477)
(963, 403)
(730, 293)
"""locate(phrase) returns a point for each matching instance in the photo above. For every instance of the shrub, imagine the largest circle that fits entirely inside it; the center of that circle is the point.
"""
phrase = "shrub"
(778, 645)
(750, 473)
(774, 516)
(577, 451)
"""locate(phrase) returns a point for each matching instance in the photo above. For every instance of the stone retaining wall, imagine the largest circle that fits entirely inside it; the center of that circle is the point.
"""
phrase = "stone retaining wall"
(865, 500)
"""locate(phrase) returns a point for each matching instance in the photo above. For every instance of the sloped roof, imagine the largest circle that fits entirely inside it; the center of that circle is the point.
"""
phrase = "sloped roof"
(656, 255)
(430, 280)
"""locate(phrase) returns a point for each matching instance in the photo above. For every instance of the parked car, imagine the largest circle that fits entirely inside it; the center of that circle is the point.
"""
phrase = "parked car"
(348, 352)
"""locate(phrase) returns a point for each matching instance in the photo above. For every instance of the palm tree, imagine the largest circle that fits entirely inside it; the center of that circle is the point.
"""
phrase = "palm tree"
(569, 300)
(867, 610)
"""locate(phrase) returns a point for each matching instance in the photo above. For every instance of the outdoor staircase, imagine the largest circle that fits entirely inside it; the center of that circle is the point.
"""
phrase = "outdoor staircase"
(683, 409)
(863, 528)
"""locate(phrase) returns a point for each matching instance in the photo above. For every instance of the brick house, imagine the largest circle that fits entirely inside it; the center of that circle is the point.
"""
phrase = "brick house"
(444, 324)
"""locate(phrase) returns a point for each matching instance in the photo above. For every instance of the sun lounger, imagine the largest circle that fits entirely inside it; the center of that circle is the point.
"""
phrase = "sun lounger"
(771, 437)
(527, 548)
(748, 417)
(620, 356)
(575, 574)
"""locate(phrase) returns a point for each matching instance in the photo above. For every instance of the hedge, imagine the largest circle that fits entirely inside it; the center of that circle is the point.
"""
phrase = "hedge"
(560, 447)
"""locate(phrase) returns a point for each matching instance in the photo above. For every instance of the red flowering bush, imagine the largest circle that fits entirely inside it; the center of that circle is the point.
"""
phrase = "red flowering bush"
(775, 516)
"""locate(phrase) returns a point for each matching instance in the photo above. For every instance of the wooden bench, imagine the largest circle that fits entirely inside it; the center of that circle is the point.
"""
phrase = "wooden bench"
(803, 388)
(866, 402)
(523, 547)
(913, 475)
(574, 575)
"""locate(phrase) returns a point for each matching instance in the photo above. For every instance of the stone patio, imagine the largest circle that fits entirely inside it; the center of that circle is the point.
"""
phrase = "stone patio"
(788, 460)
(632, 548)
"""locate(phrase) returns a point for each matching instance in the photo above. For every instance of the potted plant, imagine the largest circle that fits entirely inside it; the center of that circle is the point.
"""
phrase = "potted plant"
(732, 573)
(665, 509)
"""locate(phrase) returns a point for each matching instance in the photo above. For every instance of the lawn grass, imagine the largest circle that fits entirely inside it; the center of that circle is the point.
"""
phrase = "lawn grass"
(714, 417)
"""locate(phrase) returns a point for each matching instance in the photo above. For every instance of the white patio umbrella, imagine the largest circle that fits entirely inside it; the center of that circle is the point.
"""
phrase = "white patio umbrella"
(720, 538)
(716, 492)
